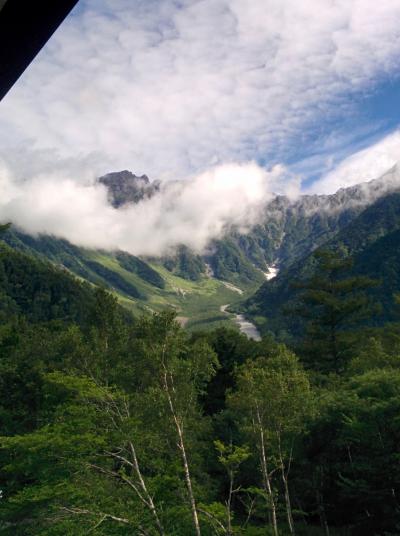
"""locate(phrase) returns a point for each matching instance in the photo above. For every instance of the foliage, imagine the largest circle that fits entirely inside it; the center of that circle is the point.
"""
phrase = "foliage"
(38, 291)
(142, 269)
(185, 263)
(113, 426)
(332, 304)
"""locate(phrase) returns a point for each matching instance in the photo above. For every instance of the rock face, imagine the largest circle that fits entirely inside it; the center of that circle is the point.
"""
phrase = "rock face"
(124, 187)
(289, 230)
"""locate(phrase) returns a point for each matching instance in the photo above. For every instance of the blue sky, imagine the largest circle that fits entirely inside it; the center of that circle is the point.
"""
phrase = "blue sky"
(172, 89)
(374, 116)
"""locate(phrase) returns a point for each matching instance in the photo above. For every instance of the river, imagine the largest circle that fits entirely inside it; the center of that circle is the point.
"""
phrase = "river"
(246, 327)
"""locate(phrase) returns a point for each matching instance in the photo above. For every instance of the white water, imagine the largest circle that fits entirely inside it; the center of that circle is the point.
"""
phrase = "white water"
(246, 327)
(209, 270)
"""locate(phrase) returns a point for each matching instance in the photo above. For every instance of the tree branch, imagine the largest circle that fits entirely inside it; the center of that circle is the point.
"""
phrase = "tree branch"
(104, 516)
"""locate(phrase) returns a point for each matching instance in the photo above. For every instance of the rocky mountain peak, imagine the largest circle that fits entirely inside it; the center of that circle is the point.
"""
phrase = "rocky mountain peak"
(125, 187)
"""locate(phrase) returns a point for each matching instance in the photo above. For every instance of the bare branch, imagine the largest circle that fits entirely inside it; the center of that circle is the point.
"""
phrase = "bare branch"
(104, 516)
(250, 508)
(121, 477)
(213, 518)
(119, 457)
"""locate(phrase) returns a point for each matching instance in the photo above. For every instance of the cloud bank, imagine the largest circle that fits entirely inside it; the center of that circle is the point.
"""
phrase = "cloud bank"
(368, 164)
(175, 90)
(191, 212)
(170, 88)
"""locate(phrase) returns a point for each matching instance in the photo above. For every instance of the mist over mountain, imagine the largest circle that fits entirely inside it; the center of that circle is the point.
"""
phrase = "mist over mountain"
(295, 227)
(227, 222)
(287, 228)
(190, 212)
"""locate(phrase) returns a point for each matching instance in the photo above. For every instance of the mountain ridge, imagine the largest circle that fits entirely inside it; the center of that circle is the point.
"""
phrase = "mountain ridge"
(290, 231)
(372, 239)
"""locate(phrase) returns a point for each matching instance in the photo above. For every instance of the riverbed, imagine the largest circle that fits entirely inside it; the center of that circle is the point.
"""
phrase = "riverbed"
(245, 326)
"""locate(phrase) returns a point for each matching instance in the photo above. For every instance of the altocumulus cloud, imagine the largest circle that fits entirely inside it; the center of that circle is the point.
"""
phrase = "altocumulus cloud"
(178, 90)
(171, 88)
(191, 212)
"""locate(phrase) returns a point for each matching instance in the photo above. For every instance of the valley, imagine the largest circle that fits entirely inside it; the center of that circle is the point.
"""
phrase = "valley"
(200, 268)
(107, 351)
(141, 287)
(237, 269)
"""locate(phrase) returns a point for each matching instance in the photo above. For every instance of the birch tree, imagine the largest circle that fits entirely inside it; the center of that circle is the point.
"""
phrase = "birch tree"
(180, 372)
(271, 403)
(82, 465)
(231, 457)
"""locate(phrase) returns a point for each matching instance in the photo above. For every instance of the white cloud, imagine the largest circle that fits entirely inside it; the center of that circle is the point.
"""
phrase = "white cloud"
(190, 212)
(170, 88)
(176, 89)
(368, 164)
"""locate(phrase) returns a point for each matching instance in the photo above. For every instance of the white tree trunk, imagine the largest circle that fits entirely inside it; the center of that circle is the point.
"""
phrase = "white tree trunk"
(142, 483)
(266, 477)
(181, 445)
(229, 506)
(284, 475)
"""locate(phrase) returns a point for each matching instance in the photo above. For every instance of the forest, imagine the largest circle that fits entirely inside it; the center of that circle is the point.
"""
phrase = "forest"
(115, 425)
(200, 277)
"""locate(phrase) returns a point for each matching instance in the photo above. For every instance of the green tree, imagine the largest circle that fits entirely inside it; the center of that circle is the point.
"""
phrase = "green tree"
(93, 465)
(232, 349)
(45, 472)
(178, 376)
(271, 403)
(351, 454)
(231, 458)
(332, 303)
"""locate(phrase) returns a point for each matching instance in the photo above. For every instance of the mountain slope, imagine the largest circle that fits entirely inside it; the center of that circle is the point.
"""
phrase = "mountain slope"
(140, 286)
(288, 230)
(197, 286)
(293, 228)
(372, 239)
(39, 291)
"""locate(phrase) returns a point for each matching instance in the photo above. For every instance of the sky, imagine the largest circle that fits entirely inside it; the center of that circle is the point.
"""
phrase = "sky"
(308, 91)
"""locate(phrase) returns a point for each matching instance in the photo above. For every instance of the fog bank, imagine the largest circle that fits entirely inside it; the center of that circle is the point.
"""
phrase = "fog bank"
(190, 212)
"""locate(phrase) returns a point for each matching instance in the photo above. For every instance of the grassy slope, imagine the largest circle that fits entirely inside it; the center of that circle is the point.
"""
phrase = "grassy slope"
(197, 303)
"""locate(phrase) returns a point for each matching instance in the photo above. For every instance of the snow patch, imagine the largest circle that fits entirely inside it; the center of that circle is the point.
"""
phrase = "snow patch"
(272, 271)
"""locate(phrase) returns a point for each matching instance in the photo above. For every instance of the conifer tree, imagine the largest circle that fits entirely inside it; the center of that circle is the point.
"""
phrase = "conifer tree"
(332, 303)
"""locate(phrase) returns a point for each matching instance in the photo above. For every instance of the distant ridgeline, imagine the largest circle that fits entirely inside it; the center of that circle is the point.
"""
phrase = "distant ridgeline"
(289, 232)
